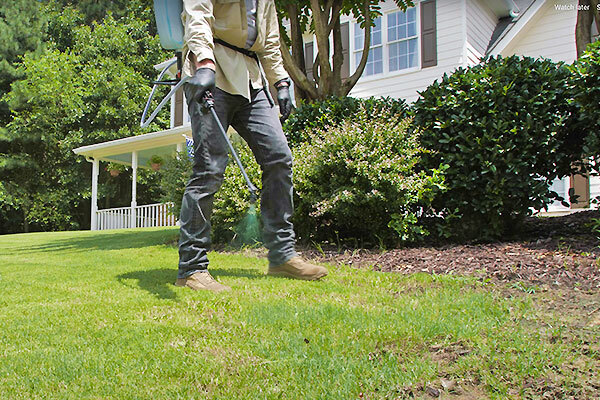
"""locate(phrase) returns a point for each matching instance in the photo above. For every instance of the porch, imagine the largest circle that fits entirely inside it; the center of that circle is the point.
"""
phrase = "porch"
(134, 152)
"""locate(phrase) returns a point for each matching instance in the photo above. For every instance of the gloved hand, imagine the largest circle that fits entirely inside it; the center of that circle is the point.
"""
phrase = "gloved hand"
(285, 102)
(203, 80)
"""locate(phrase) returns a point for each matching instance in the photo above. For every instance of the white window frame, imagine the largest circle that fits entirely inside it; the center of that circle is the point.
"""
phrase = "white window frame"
(385, 43)
(407, 39)
(355, 51)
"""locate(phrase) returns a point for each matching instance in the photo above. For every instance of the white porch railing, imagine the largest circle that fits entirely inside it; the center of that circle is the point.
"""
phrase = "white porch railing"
(146, 216)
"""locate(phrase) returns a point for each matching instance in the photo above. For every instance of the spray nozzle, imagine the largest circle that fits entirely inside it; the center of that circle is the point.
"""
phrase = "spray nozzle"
(208, 102)
(253, 197)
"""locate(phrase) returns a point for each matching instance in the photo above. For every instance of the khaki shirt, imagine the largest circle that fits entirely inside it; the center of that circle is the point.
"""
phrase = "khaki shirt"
(204, 20)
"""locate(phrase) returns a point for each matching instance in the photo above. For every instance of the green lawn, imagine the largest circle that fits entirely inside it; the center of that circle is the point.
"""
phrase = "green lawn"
(94, 315)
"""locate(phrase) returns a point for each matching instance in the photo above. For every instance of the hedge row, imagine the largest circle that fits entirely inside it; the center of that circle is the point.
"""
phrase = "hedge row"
(469, 160)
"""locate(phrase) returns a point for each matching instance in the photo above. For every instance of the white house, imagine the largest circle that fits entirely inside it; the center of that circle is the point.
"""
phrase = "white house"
(409, 51)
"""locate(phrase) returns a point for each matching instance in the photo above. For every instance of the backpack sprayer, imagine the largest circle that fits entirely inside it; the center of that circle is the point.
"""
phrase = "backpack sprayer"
(170, 32)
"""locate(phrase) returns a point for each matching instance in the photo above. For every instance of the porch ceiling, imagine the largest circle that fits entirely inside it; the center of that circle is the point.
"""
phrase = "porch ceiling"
(163, 143)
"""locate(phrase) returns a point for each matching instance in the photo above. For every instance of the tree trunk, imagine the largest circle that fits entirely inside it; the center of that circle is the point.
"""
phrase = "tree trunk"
(338, 58)
(587, 14)
(297, 48)
(25, 222)
(321, 24)
(325, 17)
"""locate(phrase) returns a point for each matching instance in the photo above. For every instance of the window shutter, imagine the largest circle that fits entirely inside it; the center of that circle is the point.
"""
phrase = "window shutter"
(178, 117)
(428, 34)
(309, 60)
(345, 30)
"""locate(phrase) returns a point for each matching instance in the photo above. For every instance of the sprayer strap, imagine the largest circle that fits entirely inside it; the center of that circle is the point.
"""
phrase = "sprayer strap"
(245, 52)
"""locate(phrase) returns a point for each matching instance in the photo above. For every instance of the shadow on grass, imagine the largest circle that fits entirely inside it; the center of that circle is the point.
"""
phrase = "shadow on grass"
(104, 240)
(158, 282)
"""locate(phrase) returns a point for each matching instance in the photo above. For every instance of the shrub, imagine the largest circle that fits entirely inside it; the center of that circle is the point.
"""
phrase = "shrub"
(332, 112)
(231, 201)
(358, 180)
(502, 128)
(174, 175)
(586, 95)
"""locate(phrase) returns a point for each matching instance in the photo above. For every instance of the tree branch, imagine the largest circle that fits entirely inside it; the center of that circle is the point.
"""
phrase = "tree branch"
(335, 15)
(351, 81)
(297, 46)
(315, 69)
(338, 58)
(322, 36)
(296, 74)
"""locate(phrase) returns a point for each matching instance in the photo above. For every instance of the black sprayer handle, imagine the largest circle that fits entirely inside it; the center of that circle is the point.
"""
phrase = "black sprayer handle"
(208, 105)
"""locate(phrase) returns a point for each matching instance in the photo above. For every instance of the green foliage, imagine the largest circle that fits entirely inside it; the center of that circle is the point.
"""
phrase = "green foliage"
(586, 96)
(359, 180)
(332, 112)
(97, 10)
(232, 201)
(22, 27)
(502, 128)
(115, 167)
(91, 92)
(174, 175)
(596, 227)
(156, 159)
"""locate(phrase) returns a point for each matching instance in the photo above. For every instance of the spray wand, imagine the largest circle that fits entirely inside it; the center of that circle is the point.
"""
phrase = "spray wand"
(208, 105)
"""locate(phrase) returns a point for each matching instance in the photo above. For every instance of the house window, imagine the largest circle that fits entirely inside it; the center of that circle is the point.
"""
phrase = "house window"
(394, 43)
(375, 58)
(402, 40)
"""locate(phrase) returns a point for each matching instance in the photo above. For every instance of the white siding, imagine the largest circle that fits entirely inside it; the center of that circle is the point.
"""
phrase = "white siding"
(594, 190)
(450, 42)
(551, 35)
(481, 22)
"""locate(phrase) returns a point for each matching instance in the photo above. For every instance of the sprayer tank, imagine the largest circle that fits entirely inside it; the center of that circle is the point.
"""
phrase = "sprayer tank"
(168, 23)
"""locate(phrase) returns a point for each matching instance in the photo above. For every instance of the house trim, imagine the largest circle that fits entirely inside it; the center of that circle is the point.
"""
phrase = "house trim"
(170, 137)
(510, 35)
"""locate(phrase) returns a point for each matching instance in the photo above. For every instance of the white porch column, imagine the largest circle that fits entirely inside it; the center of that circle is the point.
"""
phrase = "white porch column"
(95, 172)
(134, 166)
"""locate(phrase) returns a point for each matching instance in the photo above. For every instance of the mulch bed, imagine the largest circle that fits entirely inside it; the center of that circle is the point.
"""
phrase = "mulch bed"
(552, 251)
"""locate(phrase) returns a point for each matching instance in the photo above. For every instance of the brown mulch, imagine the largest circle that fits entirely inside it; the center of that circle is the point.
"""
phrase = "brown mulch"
(554, 251)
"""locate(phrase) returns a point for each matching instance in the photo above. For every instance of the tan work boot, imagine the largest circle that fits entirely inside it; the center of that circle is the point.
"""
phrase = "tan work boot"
(202, 281)
(297, 268)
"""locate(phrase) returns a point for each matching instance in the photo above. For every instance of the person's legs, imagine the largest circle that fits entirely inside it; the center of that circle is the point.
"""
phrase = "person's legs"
(210, 160)
(257, 122)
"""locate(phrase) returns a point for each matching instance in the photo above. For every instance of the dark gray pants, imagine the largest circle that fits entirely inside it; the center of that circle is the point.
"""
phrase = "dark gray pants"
(256, 121)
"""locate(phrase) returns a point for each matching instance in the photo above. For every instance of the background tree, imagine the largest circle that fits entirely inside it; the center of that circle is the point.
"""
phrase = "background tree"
(22, 29)
(322, 17)
(89, 86)
(587, 15)
(96, 10)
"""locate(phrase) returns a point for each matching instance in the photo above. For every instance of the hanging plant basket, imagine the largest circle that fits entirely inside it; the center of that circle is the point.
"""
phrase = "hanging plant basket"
(156, 162)
(115, 169)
